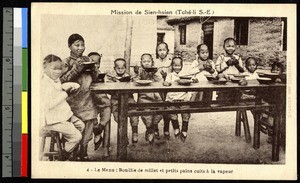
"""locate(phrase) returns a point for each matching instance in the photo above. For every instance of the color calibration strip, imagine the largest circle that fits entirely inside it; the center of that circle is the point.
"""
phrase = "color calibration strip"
(24, 150)
(14, 93)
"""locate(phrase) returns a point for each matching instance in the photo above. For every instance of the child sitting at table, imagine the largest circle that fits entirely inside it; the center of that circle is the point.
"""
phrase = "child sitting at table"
(81, 101)
(58, 114)
(229, 63)
(203, 66)
(251, 67)
(120, 72)
(142, 74)
(163, 63)
(103, 104)
(176, 65)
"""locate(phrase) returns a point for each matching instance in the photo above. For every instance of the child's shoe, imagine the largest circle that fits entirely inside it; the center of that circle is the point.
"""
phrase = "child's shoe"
(183, 136)
(177, 133)
(151, 138)
(97, 142)
(134, 139)
(65, 155)
(167, 135)
(156, 135)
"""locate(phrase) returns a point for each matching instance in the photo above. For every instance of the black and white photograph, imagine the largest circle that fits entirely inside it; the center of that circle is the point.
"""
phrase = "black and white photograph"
(163, 90)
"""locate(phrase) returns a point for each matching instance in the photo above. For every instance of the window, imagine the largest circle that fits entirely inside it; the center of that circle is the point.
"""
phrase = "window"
(160, 37)
(182, 32)
(241, 30)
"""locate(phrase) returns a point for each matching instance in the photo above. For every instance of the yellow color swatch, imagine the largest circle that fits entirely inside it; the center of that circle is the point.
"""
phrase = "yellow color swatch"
(24, 113)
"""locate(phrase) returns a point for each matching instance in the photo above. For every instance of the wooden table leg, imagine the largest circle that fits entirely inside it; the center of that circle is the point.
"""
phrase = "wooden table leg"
(122, 127)
(277, 125)
(238, 124)
(256, 134)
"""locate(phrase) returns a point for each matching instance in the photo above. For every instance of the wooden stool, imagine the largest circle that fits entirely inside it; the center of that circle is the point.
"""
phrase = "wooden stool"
(241, 117)
(55, 139)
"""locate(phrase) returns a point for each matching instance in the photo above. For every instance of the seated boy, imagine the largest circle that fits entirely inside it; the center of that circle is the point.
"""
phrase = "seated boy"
(58, 114)
(120, 68)
(103, 105)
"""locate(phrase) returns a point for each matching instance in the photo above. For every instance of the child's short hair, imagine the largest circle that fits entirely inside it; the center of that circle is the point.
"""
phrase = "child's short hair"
(73, 38)
(120, 59)
(144, 54)
(94, 53)
(251, 58)
(160, 44)
(277, 64)
(199, 47)
(228, 40)
(177, 57)
(51, 58)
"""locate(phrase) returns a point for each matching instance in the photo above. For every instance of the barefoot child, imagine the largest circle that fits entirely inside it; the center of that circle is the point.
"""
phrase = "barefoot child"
(81, 101)
(120, 68)
(103, 104)
(58, 114)
(176, 66)
(149, 121)
(163, 63)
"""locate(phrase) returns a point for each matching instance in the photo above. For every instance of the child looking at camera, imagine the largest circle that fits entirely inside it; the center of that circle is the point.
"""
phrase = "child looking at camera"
(163, 63)
(229, 63)
(120, 68)
(176, 65)
(251, 67)
(149, 121)
(58, 114)
(81, 101)
(203, 65)
(103, 104)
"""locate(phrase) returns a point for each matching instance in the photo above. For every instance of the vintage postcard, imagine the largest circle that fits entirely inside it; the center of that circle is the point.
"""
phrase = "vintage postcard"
(163, 91)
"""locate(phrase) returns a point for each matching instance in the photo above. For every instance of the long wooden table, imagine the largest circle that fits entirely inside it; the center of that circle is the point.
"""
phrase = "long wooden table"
(124, 89)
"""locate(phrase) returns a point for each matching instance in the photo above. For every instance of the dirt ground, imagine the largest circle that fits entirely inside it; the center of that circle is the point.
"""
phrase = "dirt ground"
(211, 139)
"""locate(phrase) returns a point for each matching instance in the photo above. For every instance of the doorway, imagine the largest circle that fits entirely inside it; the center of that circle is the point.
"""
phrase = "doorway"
(208, 31)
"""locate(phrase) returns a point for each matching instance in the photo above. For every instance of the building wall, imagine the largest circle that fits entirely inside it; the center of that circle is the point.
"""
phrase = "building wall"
(169, 39)
(188, 51)
(264, 39)
(223, 28)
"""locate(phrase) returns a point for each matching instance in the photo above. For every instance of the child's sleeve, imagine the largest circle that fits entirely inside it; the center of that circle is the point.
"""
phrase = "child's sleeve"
(52, 97)
(95, 74)
(55, 99)
(69, 74)
(136, 76)
(218, 64)
(240, 67)
(194, 67)
(169, 78)
(213, 65)
(157, 77)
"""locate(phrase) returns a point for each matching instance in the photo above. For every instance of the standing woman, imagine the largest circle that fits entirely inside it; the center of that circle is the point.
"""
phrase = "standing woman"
(80, 101)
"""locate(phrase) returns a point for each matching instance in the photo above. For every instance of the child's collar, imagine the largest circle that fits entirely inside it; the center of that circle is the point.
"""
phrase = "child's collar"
(50, 79)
